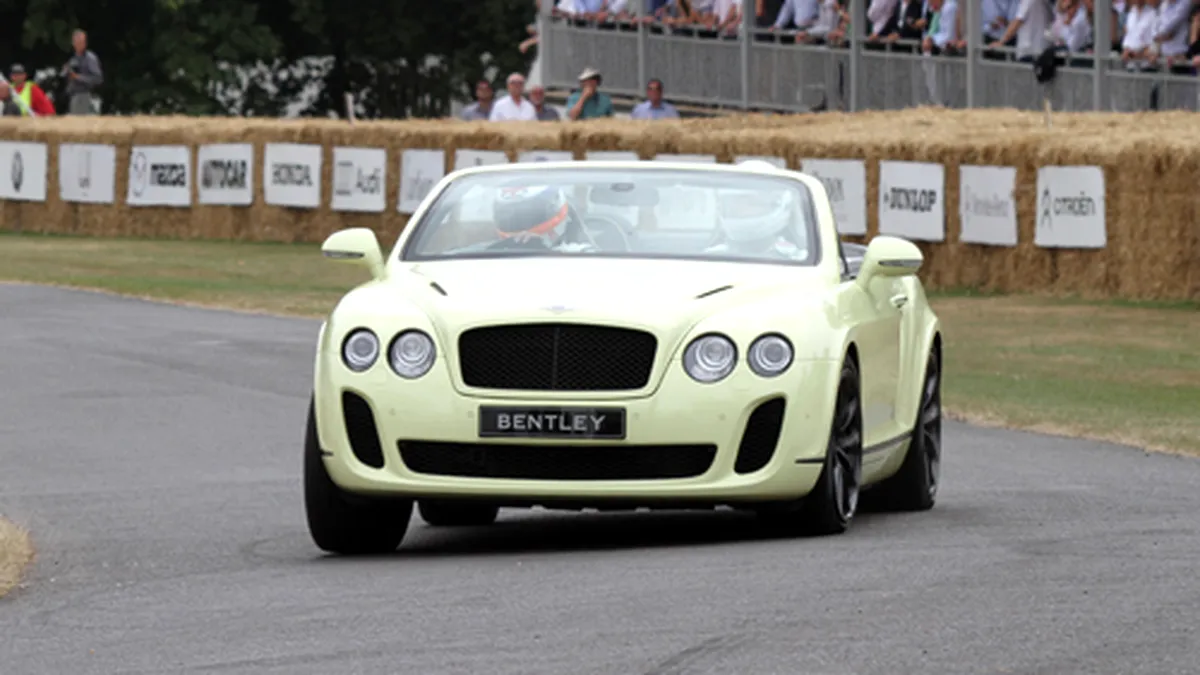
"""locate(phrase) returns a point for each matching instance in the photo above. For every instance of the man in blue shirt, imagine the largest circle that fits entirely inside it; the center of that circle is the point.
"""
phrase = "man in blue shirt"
(654, 107)
(588, 103)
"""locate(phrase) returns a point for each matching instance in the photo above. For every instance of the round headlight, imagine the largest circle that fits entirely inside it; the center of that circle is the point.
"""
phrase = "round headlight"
(770, 355)
(412, 354)
(709, 358)
(360, 350)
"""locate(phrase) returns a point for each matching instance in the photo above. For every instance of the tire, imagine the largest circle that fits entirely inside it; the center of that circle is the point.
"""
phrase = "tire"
(343, 523)
(915, 485)
(831, 505)
(448, 513)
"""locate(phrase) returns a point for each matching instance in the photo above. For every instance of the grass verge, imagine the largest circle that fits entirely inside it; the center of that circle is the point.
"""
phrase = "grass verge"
(16, 552)
(1113, 371)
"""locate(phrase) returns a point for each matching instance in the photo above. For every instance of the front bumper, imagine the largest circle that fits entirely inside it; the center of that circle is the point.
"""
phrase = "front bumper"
(428, 425)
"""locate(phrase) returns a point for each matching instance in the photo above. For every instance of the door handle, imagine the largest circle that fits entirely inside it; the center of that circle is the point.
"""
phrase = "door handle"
(899, 300)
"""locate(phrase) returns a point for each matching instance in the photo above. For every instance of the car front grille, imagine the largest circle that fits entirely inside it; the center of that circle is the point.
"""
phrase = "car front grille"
(557, 462)
(556, 357)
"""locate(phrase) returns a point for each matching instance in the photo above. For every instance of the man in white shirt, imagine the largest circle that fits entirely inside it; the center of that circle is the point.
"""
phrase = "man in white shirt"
(1029, 26)
(1171, 31)
(514, 106)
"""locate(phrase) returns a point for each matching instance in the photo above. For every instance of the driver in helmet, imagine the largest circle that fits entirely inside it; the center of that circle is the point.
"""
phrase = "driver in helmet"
(753, 223)
(534, 216)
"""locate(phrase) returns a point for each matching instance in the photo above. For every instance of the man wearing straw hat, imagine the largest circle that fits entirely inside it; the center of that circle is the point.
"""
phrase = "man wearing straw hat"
(588, 103)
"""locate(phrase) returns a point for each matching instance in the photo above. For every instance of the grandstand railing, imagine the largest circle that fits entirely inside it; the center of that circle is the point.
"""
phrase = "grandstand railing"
(765, 74)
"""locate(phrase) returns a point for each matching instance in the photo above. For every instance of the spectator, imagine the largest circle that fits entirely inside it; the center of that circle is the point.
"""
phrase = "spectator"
(727, 17)
(1072, 27)
(34, 98)
(481, 109)
(796, 15)
(1171, 31)
(828, 28)
(514, 106)
(1193, 52)
(654, 107)
(84, 76)
(8, 104)
(942, 32)
(996, 15)
(882, 15)
(1029, 27)
(537, 96)
(1139, 34)
(588, 102)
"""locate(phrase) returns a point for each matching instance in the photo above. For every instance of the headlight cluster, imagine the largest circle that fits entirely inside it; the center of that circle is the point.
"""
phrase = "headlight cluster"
(711, 357)
(411, 353)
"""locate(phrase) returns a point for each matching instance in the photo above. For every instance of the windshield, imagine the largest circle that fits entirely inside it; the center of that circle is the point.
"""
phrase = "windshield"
(610, 212)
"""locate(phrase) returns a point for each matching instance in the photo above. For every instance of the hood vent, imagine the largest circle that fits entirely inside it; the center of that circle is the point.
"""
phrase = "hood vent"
(713, 292)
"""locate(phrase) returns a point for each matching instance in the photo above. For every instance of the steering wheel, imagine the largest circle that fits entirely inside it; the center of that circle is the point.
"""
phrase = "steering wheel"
(613, 234)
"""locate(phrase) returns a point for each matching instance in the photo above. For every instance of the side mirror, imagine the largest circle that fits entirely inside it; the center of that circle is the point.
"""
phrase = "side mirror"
(889, 257)
(357, 245)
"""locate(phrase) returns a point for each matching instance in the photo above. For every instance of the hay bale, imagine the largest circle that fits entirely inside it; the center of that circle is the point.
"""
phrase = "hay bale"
(1153, 242)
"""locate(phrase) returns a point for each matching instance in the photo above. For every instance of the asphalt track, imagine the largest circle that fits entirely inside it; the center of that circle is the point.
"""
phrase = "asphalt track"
(154, 452)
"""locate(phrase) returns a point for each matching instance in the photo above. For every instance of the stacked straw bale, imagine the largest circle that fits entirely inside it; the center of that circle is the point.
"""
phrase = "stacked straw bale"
(1151, 163)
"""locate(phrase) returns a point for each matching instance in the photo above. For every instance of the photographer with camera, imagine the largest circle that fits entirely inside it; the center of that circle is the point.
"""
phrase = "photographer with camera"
(83, 75)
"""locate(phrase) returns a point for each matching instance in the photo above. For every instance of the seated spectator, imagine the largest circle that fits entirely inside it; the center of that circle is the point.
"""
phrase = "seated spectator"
(942, 32)
(654, 107)
(513, 107)
(30, 93)
(481, 109)
(1072, 28)
(537, 96)
(8, 104)
(588, 102)
(1171, 32)
(1139, 34)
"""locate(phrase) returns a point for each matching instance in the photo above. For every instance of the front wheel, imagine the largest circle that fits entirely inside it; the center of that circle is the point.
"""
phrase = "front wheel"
(830, 507)
(343, 523)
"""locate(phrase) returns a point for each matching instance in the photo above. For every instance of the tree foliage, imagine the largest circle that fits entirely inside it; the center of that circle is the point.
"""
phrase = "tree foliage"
(400, 58)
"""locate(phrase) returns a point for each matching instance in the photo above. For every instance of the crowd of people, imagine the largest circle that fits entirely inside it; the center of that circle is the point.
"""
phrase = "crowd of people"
(1147, 35)
(587, 102)
(21, 96)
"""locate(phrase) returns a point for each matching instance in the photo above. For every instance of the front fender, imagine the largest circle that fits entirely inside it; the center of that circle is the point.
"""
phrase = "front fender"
(919, 329)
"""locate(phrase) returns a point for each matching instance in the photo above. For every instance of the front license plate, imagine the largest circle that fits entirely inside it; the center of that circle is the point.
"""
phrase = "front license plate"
(501, 421)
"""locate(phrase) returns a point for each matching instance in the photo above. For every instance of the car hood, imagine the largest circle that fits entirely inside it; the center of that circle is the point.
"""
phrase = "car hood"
(665, 297)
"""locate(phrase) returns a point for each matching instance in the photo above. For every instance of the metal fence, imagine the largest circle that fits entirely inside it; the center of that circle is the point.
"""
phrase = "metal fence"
(763, 73)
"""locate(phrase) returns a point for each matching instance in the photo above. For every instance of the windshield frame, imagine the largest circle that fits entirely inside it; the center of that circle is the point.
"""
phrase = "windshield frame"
(424, 220)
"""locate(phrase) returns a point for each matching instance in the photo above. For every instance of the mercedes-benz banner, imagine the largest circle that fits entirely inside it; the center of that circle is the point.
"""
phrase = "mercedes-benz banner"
(23, 171)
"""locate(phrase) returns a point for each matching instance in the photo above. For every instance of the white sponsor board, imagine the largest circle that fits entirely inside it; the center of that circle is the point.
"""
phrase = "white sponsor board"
(1070, 207)
(689, 158)
(846, 183)
(420, 170)
(546, 156)
(292, 175)
(464, 159)
(777, 162)
(358, 179)
(159, 175)
(87, 173)
(612, 156)
(912, 200)
(225, 174)
(23, 172)
(987, 205)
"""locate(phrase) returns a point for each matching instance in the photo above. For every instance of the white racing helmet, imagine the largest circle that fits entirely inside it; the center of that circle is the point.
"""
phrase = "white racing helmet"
(750, 215)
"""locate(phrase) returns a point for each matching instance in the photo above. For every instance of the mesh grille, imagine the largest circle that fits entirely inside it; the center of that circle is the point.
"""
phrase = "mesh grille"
(550, 462)
(556, 357)
(360, 428)
(761, 435)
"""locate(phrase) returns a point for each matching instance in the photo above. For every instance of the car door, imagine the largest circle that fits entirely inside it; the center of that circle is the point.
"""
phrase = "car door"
(879, 327)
